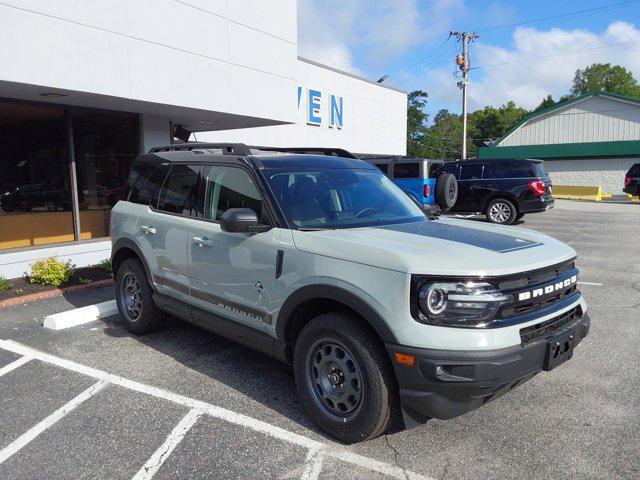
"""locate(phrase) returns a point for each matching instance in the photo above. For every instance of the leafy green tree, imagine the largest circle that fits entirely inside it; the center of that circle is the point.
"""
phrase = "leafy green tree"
(603, 77)
(444, 137)
(547, 102)
(416, 122)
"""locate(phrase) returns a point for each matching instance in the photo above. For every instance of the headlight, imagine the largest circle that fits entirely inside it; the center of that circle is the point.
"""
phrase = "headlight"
(463, 304)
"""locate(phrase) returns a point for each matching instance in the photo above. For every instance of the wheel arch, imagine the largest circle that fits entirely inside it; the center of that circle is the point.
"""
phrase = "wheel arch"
(124, 249)
(312, 300)
(501, 194)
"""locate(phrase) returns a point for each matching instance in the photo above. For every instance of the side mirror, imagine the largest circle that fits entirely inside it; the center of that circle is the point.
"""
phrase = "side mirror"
(241, 220)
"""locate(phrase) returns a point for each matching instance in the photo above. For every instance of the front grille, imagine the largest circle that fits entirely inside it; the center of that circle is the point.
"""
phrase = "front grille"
(530, 281)
(545, 329)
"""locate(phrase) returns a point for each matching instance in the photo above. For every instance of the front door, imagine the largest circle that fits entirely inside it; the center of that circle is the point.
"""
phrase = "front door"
(232, 274)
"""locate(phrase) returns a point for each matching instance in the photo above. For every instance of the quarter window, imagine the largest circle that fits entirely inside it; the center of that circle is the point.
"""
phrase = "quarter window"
(229, 187)
(470, 172)
(406, 170)
(177, 193)
(144, 183)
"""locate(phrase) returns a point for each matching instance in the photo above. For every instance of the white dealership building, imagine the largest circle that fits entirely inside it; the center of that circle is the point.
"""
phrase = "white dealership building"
(86, 86)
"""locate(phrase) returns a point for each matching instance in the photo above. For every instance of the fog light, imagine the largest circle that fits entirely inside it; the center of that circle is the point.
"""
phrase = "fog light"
(440, 371)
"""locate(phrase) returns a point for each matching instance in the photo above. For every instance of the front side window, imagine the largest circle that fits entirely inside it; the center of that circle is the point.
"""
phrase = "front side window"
(177, 192)
(230, 187)
(340, 198)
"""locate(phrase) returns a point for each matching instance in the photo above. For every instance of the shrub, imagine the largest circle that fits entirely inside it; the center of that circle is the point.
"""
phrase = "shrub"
(106, 266)
(4, 284)
(51, 271)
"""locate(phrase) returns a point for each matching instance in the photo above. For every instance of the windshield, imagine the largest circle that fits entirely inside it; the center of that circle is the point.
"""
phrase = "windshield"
(340, 198)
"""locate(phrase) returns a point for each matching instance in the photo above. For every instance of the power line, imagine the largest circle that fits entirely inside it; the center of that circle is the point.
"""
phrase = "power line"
(492, 30)
(559, 54)
(429, 66)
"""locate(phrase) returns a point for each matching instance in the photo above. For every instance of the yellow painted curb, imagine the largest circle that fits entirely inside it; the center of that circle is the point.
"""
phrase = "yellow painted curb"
(577, 192)
(606, 196)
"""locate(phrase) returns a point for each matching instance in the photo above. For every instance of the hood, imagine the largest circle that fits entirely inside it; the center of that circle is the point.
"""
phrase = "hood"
(440, 247)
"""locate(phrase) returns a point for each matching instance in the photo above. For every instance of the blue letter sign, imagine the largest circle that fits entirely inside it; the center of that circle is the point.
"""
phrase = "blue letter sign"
(313, 107)
(335, 106)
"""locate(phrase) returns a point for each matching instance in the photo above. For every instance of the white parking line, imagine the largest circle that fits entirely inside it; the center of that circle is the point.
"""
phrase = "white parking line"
(333, 450)
(37, 429)
(154, 463)
(313, 464)
(13, 365)
(591, 283)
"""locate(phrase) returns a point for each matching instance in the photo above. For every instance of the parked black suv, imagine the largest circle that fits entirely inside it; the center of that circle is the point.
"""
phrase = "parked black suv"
(632, 180)
(502, 189)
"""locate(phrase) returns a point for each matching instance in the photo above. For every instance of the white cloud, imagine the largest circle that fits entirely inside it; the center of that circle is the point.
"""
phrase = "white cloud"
(527, 83)
(372, 31)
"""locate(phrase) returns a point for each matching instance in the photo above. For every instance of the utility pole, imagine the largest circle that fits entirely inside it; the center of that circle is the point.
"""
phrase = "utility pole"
(464, 64)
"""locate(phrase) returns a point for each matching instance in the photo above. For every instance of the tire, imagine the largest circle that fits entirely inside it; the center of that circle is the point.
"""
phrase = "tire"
(362, 383)
(446, 191)
(519, 217)
(134, 299)
(501, 211)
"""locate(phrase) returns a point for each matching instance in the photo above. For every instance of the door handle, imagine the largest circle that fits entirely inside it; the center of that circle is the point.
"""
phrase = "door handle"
(202, 242)
(148, 229)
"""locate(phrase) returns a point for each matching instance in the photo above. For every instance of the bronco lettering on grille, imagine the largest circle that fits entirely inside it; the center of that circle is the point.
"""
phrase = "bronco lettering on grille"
(546, 290)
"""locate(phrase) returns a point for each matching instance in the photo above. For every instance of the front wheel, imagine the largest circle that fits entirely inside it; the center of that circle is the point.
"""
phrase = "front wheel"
(344, 378)
(134, 298)
(501, 211)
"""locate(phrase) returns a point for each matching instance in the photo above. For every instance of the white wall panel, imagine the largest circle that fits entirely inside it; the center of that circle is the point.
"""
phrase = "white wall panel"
(374, 116)
(169, 52)
(605, 172)
(595, 119)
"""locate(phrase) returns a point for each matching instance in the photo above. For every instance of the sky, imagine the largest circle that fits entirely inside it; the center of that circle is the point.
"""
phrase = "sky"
(407, 39)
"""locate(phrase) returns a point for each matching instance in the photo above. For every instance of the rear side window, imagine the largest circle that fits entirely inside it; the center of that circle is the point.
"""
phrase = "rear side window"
(470, 172)
(229, 187)
(513, 170)
(451, 168)
(539, 170)
(406, 170)
(144, 182)
(178, 191)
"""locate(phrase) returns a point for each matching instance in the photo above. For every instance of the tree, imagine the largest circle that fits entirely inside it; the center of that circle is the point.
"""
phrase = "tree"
(416, 121)
(602, 77)
(547, 102)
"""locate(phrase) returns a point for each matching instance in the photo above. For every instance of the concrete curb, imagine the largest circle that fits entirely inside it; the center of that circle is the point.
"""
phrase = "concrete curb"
(34, 297)
(80, 316)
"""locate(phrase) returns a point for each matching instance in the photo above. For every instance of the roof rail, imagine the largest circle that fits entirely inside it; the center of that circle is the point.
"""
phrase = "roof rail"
(328, 151)
(227, 148)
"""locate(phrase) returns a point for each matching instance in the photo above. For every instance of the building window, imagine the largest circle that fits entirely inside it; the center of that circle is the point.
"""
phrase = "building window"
(35, 186)
(105, 146)
(36, 205)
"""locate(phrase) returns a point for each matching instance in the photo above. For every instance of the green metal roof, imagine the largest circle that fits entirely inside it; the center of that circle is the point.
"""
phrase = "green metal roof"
(562, 105)
(629, 148)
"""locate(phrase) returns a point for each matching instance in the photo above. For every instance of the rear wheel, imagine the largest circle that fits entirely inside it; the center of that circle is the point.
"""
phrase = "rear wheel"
(344, 378)
(501, 211)
(134, 298)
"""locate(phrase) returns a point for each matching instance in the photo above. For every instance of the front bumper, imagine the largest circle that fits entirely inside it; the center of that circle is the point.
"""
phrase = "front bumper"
(468, 379)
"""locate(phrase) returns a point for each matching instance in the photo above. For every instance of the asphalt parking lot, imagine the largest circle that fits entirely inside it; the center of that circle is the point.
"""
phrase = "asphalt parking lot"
(96, 402)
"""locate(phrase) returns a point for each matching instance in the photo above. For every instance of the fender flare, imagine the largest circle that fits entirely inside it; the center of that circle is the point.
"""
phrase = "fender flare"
(330, 292)
(131, 245)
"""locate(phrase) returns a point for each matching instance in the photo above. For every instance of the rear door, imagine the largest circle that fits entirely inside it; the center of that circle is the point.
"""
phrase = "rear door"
(408, 176)
(232, 274)
(162, 231)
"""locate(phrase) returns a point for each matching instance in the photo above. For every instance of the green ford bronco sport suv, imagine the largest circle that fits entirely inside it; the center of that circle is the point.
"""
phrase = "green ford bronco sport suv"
(387, 317)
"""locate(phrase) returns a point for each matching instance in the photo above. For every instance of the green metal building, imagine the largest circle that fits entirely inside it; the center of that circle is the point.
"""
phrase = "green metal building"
(588, 140)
